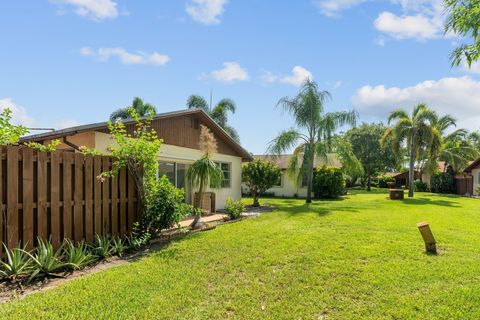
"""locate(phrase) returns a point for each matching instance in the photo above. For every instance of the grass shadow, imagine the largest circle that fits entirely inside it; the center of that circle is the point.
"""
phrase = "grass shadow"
(422, 201)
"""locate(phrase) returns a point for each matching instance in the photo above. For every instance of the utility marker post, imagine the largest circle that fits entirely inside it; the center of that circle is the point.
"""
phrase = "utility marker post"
(427, 235)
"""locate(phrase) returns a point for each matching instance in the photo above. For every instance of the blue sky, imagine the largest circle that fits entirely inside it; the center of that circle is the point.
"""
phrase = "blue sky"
(68, 62)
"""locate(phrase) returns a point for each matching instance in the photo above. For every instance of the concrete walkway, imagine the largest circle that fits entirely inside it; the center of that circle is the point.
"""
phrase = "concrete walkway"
(209, 218)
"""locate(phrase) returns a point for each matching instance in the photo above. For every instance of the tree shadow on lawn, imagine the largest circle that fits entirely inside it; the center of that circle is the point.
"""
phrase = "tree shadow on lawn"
(293, 208)
(421, 201)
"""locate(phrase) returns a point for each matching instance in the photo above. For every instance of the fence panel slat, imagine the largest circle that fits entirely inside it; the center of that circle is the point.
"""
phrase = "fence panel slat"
(67, 195)
(131, 205)
(27, 202)
(106, 197)
(114, 197)
(97, 195)
(78, 199)
(12, 196)
(55, 227)
(42, 188)
(88, 198)
(123, 201)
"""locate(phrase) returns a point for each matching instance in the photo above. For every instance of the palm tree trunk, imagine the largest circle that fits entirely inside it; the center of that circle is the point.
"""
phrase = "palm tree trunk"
(411, 170)
(310, 176)
(369, 181)
(197, 205)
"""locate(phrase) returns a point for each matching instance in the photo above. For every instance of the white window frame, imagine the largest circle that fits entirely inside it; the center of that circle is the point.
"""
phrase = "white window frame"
(229, 164)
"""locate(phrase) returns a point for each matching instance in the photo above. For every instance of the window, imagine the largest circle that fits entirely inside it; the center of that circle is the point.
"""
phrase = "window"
(279, 181)
(226, 169)
(175, 172)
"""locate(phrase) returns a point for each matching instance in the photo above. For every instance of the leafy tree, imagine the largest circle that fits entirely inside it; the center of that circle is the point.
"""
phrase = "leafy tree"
(204, 172)
(259, 176)
(365, 141)
(219, 113)
(464, 21)
(413, 130)
(137, 152)
(314, 133)
(474, 139)
(142, 109)
(10, 134)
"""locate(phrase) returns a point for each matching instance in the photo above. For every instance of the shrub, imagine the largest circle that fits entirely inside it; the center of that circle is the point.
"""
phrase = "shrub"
(102, 246)
(383, 181)
(77, 256)
(46, 260)
(166, 206)
(17, 264)
(259, 176)
(420, 186)
(234, 209)
(328, 182)
(443, 183)
(118, 246)
(139, 238)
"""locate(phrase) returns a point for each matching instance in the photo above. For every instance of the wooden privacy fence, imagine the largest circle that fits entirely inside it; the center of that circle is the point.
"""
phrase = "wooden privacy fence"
(57, 195)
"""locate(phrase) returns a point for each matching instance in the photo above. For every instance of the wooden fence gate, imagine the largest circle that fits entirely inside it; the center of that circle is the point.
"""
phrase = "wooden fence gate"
(57, 195)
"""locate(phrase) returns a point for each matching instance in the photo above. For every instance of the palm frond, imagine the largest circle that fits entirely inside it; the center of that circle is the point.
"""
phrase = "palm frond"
(285, 141)
(197, 102)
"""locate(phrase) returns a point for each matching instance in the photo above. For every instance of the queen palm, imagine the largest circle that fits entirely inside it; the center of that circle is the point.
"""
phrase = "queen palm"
(314, 132)
(416, 131)
(455, 148)
(204, 172)
(141, 108)
(218, 113)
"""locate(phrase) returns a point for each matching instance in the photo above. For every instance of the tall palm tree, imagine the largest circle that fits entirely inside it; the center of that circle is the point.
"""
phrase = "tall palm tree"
(314, 135)
(204, 172)
(416, 131)
(455, 148)
(218, 112)
(141, 108)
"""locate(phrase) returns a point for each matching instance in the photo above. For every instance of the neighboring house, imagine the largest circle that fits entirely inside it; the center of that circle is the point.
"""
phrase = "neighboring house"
(180, 132)
(286, 186)
(473, 176)
(401, 178)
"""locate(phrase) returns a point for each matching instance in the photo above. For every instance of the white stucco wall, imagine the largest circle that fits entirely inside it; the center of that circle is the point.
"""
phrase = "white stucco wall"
(170, 153)
(287, 189)
(476, 181)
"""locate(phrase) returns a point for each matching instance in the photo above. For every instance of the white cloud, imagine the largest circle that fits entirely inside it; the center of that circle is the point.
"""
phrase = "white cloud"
(125, 57)
(231, 72)
(419, 26)
(95, 9)
(474, 68)
(456, 96)
(332, 8)
(297, 78)
(206, 11)
(19, 115)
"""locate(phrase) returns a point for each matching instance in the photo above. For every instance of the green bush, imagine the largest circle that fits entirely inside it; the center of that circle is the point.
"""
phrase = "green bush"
(420, 186)
(328, 182)
(384, 180)
(443, 183)
(234, 209)
(17, 264)
(166, 207)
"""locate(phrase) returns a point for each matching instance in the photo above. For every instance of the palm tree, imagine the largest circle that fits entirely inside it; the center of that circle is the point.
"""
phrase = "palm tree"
(314, 135)
(204, 172)
(141, 108)
(455, 148)
(416, 131)
(218, 113)
(474, 139)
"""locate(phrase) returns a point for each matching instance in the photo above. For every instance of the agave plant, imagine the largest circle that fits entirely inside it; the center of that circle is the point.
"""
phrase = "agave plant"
(77, 256)
(118, 246)
(102, 246)
(18, 263)
(46, 260)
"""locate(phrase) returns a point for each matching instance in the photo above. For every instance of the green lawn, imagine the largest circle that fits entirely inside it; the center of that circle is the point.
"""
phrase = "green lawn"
(357, 258)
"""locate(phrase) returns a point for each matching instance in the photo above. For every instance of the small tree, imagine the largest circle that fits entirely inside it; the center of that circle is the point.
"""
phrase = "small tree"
(259, 176)
(10, 134)
(204, 172)
(138, 152)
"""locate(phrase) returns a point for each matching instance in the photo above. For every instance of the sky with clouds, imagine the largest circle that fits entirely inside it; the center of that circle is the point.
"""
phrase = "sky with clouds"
(70, 62)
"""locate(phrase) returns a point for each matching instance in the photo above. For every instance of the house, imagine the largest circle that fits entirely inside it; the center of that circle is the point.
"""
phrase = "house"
(286, 186)
(180, 132)
(471, 181)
